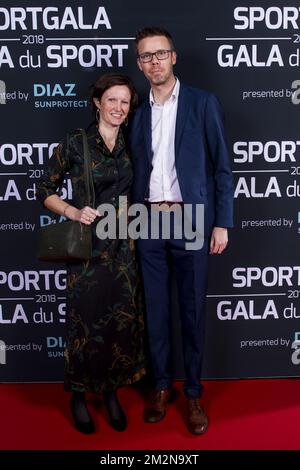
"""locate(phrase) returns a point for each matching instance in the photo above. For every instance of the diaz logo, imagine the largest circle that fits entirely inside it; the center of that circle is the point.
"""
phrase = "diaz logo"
(2, 352)
(46, 89)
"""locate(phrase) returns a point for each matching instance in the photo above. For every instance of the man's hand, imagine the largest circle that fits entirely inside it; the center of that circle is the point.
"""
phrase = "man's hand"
(219, 240)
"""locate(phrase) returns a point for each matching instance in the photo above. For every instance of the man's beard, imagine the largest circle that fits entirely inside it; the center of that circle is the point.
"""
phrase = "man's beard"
(160, 80)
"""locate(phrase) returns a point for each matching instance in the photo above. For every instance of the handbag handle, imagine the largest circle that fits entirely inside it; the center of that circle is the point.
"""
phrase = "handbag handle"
(89, 185)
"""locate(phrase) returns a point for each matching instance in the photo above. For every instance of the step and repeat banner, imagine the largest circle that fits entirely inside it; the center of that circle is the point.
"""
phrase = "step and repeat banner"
(249, 56)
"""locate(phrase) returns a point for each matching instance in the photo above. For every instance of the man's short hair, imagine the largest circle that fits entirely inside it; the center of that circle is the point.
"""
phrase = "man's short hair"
(151, 31)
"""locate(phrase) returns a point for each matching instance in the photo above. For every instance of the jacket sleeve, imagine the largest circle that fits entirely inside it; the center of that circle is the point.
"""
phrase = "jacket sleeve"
(54, 173)
(216, 141)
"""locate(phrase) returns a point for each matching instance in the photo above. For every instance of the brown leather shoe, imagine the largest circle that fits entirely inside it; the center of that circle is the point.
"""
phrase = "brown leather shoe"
(155, 409)
(197, 421)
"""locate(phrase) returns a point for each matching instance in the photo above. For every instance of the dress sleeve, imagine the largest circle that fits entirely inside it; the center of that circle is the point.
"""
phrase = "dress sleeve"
(54, 173)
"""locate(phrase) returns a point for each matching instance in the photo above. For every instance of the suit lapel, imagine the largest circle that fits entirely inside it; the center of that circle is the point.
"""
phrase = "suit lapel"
(147, 128)
(182, 113)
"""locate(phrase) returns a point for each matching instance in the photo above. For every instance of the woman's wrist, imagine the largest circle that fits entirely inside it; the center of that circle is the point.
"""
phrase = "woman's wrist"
(67, 206)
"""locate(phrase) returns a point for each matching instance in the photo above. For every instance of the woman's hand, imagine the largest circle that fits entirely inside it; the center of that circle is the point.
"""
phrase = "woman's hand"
(86, 216)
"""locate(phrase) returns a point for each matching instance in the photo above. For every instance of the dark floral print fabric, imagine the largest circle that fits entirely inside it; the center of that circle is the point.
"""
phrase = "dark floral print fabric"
(105, 328)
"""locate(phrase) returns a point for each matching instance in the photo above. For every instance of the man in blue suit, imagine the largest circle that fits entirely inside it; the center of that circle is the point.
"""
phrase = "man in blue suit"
(179, 157)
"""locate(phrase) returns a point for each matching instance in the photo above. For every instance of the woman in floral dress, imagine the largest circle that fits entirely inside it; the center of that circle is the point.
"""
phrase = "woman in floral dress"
(104, 308)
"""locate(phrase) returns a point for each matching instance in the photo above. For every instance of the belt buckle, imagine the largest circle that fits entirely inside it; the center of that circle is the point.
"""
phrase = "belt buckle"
(164, 207)
(168, 206)
(175, 206)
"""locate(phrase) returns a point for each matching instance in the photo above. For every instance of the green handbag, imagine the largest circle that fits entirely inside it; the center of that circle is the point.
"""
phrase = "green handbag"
(69, 241)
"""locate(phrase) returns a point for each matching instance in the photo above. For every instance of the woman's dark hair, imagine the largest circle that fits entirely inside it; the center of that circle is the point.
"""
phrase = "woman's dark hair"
(109, 80)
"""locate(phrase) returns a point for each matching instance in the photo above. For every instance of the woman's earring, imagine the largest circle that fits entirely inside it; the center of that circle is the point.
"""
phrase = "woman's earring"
(126, 121)
(98, 115)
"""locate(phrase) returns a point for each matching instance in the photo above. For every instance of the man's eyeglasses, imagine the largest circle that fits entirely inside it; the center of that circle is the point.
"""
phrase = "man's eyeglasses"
(160, 55)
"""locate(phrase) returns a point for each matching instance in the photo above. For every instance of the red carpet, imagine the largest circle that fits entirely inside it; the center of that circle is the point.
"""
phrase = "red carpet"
(247, 414)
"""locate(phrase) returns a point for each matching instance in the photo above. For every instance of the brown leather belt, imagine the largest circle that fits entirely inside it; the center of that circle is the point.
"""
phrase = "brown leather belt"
(164, 206)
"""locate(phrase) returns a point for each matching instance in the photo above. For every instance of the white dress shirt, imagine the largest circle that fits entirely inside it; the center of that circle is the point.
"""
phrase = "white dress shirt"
(164, 184)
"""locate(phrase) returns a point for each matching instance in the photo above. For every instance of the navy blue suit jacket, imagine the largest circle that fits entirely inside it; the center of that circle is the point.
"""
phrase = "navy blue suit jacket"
(201, 156)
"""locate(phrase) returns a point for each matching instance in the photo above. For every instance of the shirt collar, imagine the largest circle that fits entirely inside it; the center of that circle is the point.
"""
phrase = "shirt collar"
(173, 97)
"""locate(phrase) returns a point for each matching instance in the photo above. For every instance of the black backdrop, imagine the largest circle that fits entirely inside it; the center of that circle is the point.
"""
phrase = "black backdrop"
(249, 56)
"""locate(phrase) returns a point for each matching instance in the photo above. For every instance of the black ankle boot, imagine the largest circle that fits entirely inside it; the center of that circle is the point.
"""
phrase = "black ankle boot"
(117, 417)
(81, 416)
